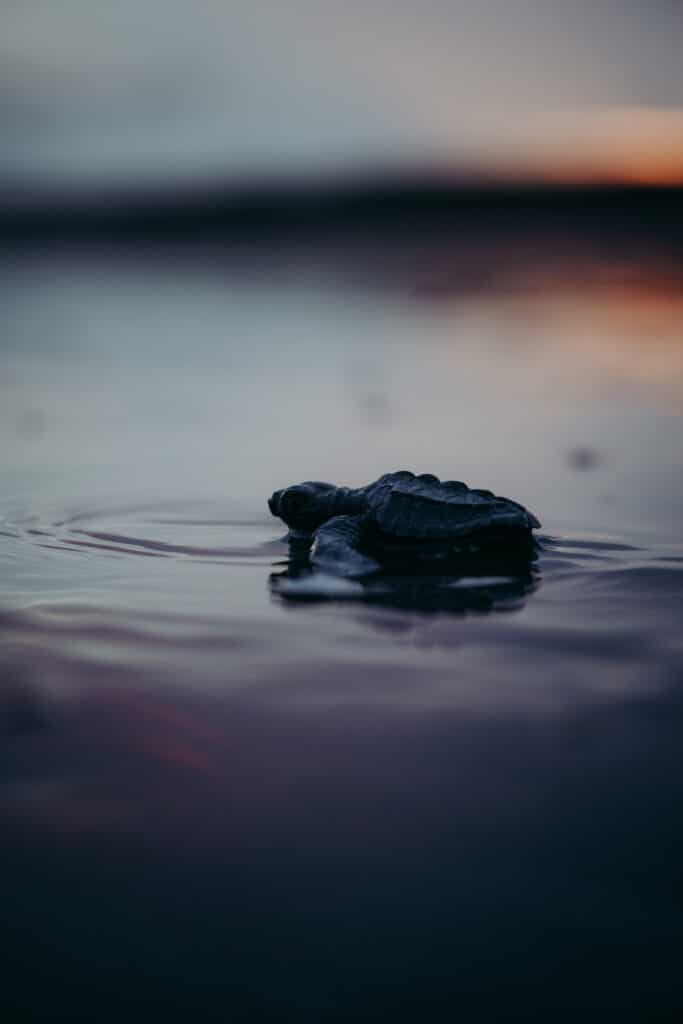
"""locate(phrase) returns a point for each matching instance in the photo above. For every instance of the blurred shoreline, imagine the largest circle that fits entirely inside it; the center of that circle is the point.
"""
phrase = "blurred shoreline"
(360, 207)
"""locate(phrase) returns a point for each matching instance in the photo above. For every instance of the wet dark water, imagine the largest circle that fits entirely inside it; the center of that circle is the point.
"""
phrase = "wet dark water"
(228, 794)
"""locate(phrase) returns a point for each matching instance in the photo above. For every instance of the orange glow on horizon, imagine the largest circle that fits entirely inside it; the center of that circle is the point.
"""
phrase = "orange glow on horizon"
(619, 145)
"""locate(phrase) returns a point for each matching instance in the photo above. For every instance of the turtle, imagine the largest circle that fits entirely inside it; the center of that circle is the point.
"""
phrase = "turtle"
(400, 517)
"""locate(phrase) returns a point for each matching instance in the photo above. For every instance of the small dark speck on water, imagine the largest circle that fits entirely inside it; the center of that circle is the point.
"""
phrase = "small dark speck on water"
(584, 458)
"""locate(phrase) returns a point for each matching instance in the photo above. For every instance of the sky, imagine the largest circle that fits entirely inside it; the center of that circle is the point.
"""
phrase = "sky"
(149, 89)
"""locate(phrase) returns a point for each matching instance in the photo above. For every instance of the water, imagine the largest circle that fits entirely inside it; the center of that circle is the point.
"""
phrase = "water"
(229, 794)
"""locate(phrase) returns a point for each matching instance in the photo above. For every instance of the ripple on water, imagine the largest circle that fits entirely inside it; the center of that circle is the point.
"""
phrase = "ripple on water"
(214, 597)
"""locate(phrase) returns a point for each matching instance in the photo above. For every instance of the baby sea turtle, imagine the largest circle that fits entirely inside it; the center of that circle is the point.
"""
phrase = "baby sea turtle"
(356, 531)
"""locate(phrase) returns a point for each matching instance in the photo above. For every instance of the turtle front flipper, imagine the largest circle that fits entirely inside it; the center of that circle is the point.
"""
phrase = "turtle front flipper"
(337, 548)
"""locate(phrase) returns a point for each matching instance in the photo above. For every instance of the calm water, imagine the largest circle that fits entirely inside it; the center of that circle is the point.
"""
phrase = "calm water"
(227, 793)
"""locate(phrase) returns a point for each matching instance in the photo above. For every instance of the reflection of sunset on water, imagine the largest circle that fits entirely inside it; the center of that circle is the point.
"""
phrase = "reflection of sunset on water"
(606, 335)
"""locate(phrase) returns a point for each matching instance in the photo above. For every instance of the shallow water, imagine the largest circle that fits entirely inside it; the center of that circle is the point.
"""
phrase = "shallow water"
(234, 794)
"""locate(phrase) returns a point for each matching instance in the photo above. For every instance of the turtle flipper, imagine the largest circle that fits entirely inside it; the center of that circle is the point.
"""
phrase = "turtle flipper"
(336, 548)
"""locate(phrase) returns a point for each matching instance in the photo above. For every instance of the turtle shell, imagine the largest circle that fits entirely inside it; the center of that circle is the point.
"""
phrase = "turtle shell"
(424, 508)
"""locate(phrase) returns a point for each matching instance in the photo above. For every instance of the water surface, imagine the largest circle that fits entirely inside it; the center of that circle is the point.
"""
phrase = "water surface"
(228, 797)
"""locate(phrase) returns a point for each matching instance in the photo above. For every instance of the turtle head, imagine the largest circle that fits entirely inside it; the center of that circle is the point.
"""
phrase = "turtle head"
(304, 506)
(307, 506)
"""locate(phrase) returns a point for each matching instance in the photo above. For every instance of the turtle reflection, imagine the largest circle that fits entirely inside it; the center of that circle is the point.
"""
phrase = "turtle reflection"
(477, 582)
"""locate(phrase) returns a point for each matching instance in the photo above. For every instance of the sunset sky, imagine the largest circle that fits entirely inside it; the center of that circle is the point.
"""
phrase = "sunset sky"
(144, 88)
